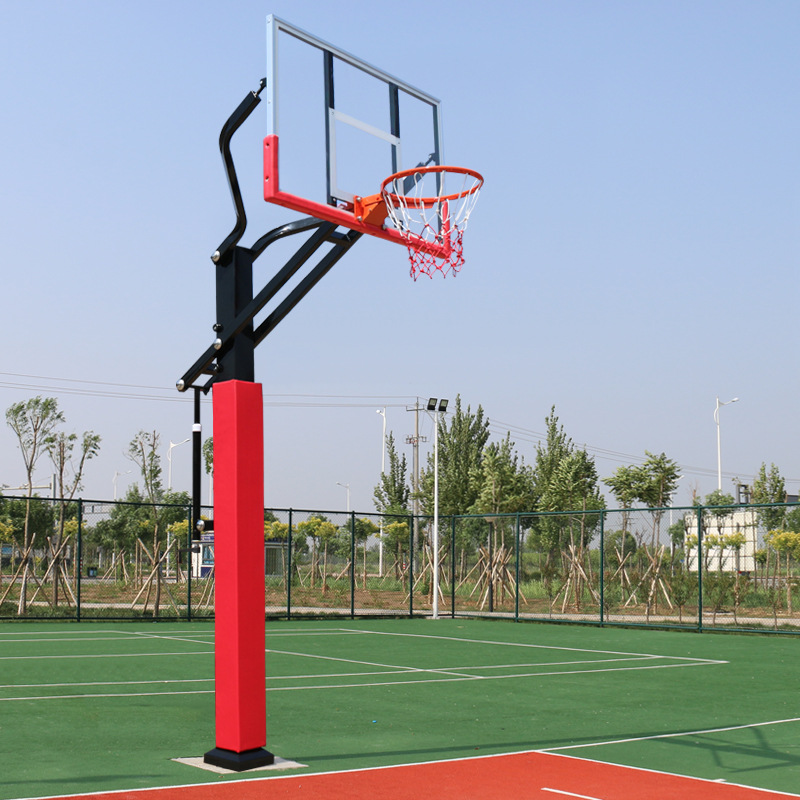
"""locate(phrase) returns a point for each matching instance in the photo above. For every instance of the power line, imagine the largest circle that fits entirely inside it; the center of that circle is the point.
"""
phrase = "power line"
(140, 392)
(288, 400)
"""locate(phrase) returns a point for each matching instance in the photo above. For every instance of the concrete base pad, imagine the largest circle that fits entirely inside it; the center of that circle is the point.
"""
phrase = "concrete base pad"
(278, 764)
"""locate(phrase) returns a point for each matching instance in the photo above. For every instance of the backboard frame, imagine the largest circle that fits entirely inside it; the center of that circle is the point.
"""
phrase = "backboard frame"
(341, 203)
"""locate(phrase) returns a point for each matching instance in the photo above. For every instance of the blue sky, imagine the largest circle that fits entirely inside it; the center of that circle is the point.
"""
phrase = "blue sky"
(633, 255)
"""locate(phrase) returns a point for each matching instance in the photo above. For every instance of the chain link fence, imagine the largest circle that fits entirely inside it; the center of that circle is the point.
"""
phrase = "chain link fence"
(733, 568)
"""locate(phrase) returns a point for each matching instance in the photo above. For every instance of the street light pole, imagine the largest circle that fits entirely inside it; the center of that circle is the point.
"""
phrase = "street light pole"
(116, 475)
(719, 450)
(345, 486)
(169, 459)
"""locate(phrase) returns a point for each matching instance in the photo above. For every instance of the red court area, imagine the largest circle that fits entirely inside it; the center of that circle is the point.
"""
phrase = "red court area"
(519, 776)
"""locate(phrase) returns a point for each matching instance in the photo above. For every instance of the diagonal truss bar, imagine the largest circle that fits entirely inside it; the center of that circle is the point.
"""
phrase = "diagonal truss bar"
(325, 234)
(305, 286)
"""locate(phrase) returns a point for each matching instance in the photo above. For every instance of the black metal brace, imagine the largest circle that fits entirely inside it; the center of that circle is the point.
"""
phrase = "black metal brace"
(232, 354)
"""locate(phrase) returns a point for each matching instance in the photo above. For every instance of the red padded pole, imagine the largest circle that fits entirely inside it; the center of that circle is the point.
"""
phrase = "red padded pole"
(239, 569)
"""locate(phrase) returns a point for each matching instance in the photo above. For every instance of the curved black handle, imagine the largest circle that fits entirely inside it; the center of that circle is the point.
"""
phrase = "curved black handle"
(226, 134)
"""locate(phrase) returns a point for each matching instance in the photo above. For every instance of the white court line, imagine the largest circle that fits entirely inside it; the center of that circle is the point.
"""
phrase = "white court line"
(280, 778)
(569, 794)
(558, 663)
(106, 655)
(128, 638)
(672, 774)
(172, 681)
(275, 678)
(103, 683)
(556, 750)
(362, 685)
(56, 633)
(161, 638)
(525, 644)
(101, 696)
(401, 667)
(73, 636)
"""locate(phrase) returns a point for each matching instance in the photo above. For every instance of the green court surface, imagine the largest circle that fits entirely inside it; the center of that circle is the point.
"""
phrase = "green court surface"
(100, 707)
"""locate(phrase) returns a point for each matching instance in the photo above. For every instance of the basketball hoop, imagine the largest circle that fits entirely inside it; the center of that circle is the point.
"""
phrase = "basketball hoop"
(430, 208)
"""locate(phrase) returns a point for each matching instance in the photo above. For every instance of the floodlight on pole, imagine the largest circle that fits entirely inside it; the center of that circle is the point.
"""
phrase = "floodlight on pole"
(719, 450)
(169, 460)
(437, 409)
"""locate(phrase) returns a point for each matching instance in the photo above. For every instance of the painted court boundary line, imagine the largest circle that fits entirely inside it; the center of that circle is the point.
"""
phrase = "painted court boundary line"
(363, 685)
(527, 645)
(443, 674)
(552, 788)
(618, 781)
(557, 750)
(777, 793)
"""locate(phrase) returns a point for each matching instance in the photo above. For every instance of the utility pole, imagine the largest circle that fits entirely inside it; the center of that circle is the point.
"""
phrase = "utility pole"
(414, 441)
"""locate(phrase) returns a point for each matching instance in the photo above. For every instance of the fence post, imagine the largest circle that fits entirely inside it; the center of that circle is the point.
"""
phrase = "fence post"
(78, 559)
(516, 573)
(490, 574)
(189, 545)
(289, 570)
(352, 565)
(411, 522)
(603, 567)
(700, 569)
(453, 566)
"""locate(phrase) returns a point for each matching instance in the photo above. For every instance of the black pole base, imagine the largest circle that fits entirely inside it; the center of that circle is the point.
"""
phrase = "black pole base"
(239, 762)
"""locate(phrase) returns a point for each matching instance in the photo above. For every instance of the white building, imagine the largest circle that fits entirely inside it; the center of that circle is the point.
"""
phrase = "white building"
(720, 524)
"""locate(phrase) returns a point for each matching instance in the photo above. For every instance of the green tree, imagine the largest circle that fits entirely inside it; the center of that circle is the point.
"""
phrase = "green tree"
(661, 480)
(363, 528)
(564, 479)
(322, 533)
(786, 543)
(14, 511)
(626, 484)
(792, 520)
(556, 447)
(504, 481)
(128, 521)
(69, 477)
(33, 422)
(769, 487)
(208, 455)
(618, 546)
(277, 531)
(720, 499)
(395, 537)
(682, 584)
(461, 448)
(208, 459)
(677, 534)
(143, 451)
(718, 507)
(392, 493)
(651, 483)
(505, 486)
(163, 507)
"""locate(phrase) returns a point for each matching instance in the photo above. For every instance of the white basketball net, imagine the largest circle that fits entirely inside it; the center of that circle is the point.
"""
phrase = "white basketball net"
(431, 206)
